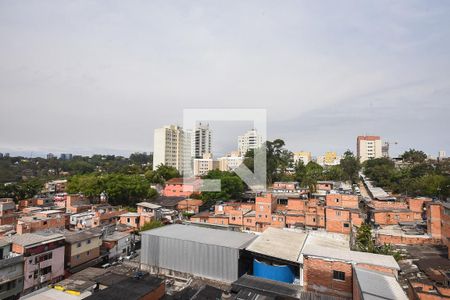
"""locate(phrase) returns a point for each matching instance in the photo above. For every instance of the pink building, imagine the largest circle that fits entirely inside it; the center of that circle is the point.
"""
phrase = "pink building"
(148, 212)
(44, 258)
(178, 187)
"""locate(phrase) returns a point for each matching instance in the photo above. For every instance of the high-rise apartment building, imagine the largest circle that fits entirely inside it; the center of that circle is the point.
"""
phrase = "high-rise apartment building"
(368, 147)
(250, 140)
(172, 147)
(201, 140)
(441, 155)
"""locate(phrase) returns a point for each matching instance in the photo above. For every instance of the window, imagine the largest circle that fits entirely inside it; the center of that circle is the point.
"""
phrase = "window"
(338, 275)
(46, 270)
(78, 256)
(346, 225)
(87, 253)
(78, 245)
(89, 241)
(337, 200)
(128, 220)
(338, 213)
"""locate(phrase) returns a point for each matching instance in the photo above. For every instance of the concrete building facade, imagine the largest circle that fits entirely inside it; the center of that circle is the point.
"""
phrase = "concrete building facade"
(368, 147)
(44, 258)
(11, 272)
(81, 247)
(201, 140)
(172, 147)
(250, 140)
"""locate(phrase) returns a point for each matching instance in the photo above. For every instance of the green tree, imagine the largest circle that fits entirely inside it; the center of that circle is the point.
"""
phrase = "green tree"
(313, 173)
(364, 239)
(232, 186)
(334, 173)
(278, 159)
(365, 242)
(350, 166)
(151, 225)
(122, 189)
(167, 172)
(414, 156)
(381, 171)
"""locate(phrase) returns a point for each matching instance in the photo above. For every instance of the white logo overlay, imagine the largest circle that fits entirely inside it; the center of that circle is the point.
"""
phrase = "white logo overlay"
(256, 180)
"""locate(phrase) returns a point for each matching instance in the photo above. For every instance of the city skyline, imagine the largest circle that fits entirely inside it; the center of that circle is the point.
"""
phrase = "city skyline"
(125, 70)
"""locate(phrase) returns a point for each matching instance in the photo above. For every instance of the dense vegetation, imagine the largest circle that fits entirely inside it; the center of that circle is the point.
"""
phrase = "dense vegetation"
(281, 167)
(416, 176)
(232, 186)
(17, 169)
(22, 178)
(127, 180)
(122, 189)
(151, 225)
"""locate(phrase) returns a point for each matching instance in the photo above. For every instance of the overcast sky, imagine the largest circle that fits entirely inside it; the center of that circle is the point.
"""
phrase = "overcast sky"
(99, 76)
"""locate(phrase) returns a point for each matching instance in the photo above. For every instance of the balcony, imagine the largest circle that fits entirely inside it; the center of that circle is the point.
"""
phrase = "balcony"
(11, 259)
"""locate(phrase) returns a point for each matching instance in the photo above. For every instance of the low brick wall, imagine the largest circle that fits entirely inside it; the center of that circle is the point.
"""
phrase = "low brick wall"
(406, 240)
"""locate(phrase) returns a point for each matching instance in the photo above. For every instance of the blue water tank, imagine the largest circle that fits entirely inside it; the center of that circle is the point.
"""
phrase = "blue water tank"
(283, 273)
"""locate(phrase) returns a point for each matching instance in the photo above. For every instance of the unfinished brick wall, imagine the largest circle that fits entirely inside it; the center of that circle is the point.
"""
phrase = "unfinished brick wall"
(378, 268)
(318, 276)
(278, 221)
(295, 218)
(249, 223)
(434, 225)
(446, 228)
(264, 206)
(406, 240)
(296, 204)
(236, 217)
(340, 200)
(392, 217)
(389, 204)
(417, 204)
(356, 219)
(338, 220)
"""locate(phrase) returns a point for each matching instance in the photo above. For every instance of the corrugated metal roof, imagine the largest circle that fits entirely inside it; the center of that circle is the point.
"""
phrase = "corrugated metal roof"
(149, 205)
(279, 243)
(377, 285)
(29, 239)
(328, 249)
(230, 239)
